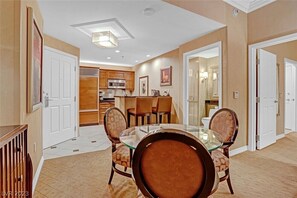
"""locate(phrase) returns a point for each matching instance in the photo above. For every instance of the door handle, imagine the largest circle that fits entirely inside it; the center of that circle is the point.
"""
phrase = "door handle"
(288, 100)
(275, 101)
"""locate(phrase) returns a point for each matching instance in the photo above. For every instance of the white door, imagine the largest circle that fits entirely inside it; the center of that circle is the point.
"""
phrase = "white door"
(59, 91)
(290, 86)
(267, 107)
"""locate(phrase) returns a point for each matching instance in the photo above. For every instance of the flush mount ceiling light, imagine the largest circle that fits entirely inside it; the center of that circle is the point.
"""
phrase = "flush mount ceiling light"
(104, 39)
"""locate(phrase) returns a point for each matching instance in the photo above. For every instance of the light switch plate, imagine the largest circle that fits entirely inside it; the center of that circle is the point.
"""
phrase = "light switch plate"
(235, 94)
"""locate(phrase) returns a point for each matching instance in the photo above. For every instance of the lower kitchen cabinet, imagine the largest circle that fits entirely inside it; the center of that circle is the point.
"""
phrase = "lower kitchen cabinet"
(88, 118)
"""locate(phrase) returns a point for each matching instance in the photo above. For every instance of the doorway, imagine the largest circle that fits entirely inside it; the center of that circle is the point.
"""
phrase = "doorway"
(290, 95)
(59, 97)
(253, 91)
(202, 83)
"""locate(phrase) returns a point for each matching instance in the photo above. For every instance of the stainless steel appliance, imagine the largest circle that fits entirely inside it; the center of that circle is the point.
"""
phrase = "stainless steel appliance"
(116, 84)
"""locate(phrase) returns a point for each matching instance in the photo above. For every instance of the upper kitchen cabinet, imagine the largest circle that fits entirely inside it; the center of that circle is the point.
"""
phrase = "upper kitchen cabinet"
(112, 74)
(128, 76)
(103, 79)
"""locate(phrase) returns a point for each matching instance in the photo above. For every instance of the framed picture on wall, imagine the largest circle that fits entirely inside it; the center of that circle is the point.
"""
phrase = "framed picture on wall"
(143, 85)
(166, 76)
(34, 63)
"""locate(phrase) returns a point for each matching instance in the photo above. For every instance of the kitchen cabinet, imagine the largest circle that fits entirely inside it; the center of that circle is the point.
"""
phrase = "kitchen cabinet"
(103, 106)
(116, 74)
(129, 76)
(103, 79)
(88, 96)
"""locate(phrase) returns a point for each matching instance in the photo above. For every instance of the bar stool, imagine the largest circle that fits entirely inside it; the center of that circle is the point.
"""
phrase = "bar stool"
(163, 108)
(143, 108)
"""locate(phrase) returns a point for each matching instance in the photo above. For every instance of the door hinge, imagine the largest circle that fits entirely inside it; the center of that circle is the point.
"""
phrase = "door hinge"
(258, 62)
(257, 138)
(257, 99)
(74, 99)
(74, 128)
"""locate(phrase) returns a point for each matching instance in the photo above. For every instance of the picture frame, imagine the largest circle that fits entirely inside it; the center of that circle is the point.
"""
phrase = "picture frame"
(166, 76)
(143, 86)
(34, 63)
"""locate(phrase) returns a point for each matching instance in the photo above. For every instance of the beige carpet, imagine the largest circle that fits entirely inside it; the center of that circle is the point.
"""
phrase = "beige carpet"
(271, 172)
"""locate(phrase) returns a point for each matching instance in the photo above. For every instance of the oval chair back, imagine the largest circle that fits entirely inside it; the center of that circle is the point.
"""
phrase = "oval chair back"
(173, 164)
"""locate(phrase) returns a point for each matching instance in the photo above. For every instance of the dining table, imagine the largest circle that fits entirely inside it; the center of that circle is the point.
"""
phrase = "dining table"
(132, 136)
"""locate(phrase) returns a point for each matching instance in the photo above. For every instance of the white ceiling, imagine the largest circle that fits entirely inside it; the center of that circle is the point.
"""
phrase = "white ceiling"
(165, 30)
(248, 5)
(214, 52)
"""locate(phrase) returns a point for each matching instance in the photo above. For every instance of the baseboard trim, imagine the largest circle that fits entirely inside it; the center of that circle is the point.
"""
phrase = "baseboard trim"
(37, 174)
(280, 136)
(238, 150)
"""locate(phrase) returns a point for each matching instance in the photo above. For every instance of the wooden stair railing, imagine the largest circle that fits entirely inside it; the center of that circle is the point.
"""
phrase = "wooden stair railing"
(15, 163)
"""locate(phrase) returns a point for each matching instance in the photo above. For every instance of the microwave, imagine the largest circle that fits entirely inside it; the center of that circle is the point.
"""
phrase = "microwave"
(116, 84)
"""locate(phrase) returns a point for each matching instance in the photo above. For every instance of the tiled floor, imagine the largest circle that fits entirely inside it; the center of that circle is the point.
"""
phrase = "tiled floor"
(92, 138)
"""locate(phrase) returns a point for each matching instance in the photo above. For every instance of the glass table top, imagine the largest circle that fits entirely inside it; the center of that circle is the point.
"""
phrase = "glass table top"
(132, 136)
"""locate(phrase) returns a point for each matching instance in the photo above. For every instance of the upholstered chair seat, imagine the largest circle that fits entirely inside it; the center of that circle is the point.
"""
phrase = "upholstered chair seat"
(221, 162)
(224, 122)
(121, 156)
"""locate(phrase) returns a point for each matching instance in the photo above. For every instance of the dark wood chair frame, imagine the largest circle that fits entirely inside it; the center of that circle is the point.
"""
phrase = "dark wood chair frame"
(114, 148)
(226, 145)
(201, 151)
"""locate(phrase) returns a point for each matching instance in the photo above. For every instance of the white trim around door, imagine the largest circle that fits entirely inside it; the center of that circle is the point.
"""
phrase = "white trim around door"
(252, 84)
(186, 58)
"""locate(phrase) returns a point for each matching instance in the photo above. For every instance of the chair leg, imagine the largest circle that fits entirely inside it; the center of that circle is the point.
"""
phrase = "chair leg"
(111, 173)
(136, 120)
(125, 169)
(142, 120)
(148, 119)
(160, 118)
(129, 119)
(169, 117)
(229, 181)
(157, 115)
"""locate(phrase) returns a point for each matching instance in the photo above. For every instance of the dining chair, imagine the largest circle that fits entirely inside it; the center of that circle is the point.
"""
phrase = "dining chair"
(143, 108)
(173, 164)
(163, 108)
(114, 123)
(224, 122)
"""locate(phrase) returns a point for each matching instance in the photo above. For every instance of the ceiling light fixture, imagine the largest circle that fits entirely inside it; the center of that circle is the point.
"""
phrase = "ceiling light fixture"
(105, 39)
(108, 57)
(117, 51)
(136, 61)
(148, 55)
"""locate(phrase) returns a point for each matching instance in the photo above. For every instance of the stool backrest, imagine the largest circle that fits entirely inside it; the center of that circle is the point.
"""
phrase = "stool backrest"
(164, 104)
(143, 105)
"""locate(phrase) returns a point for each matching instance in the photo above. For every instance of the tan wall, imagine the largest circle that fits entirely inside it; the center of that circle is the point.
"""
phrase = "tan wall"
(13, 109)
(272, 21)
(61, 45)
(234, 57)
(32, 119)
(285, 50)
(9, 63)
(152, 68)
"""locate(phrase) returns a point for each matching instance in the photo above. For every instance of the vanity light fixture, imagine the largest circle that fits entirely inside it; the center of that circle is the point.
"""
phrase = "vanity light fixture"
(203, 76)
(214, 76)
(105, 39)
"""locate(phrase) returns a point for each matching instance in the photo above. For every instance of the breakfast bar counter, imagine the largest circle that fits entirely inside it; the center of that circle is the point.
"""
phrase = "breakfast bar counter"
(127, 102)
